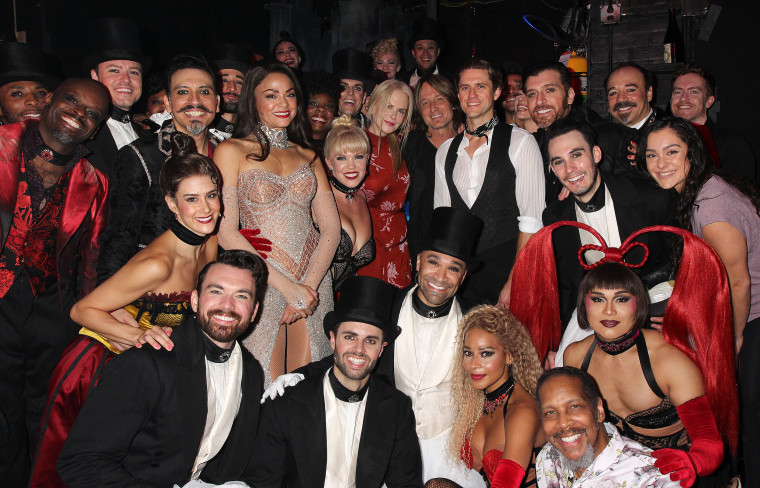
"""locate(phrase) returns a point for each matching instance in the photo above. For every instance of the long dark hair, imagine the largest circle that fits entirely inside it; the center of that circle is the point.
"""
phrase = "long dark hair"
(248, 121)
(701, 167)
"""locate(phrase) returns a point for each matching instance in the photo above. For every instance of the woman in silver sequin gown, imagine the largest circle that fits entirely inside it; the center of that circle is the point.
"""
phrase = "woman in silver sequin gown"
(273, 184)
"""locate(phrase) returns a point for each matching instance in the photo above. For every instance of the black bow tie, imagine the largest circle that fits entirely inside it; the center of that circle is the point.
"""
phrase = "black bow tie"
(121, 115)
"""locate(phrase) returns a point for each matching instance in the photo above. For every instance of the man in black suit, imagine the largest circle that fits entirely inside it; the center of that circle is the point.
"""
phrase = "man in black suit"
(614, 205)
(117, 63)
(164, 417)
(371, 440)
(425, 45)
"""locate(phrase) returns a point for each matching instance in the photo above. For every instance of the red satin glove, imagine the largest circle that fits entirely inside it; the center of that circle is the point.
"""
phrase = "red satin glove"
(508, 474)
(706, 452)
(261, 244)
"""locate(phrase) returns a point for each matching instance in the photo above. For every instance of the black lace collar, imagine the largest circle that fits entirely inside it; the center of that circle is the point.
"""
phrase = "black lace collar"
(214, 352)
(344, 394)
(596, 203)
(121, 115)
(426, 310)
(619, 345)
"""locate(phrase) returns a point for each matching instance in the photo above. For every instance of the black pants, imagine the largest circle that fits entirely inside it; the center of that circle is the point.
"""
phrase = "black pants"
(482, 286)
(749, 394)
(33, 334)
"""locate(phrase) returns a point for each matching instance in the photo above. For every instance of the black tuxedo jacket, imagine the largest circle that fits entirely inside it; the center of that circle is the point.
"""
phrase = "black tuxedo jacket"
(638, 203)
(419, 155)
(291, 443)
(142, 425)
(104, 148)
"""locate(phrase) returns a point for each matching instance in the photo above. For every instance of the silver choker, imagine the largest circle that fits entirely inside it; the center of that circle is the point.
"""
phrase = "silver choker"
(278, 138)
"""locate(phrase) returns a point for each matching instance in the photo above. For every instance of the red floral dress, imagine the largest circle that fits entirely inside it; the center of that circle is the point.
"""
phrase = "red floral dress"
(386, 194)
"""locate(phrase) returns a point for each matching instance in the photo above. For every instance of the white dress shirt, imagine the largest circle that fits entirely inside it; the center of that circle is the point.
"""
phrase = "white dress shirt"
(469, 174)
(123, 133)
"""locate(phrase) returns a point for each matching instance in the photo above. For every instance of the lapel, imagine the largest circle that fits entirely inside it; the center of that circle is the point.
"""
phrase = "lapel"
(310, 431)
(377, 440)
(442, 360)
(191, 387)
(630, 209)
(84, 186)
(10, 166)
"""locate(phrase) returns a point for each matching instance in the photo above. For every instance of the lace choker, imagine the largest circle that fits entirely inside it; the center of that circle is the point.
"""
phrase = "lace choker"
(34, 145)
(619, 345)
(349, 192)
(120, 115)
(483, 129)
(214, 352)
(278, 138)
(186, 235)
(344, 394)
(430, 312)
(596, 203)
(499, 396)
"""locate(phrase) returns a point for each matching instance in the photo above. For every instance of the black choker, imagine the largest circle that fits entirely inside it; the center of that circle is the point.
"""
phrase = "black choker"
(344, 394)
(120, 115)
(499, 396)
(427, 311)
(483, 129)
(349, 192)
(596, 203)
(619, 345)
(186, 235)
(214, 352)
(34, 146)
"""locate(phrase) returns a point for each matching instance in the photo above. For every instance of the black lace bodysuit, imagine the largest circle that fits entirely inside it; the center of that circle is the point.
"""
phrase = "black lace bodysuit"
(345, 263)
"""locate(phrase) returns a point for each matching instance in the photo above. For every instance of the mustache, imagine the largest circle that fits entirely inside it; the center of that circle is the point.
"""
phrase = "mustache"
(623, 104)
(231, 313)
(568, 432)
(193, 107)
(233, 94)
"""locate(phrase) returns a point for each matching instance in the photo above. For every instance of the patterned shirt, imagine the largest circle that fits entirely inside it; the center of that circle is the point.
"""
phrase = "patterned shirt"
(623, 463)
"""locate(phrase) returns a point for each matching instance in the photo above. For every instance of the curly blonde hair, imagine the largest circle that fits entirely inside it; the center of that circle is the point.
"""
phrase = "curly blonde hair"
(386, 46)
(467, 401)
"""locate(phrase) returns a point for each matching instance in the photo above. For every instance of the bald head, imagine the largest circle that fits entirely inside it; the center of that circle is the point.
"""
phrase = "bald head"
(76, 110)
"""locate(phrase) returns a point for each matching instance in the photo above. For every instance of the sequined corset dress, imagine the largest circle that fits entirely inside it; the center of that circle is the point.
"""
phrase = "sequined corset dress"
(281, 207)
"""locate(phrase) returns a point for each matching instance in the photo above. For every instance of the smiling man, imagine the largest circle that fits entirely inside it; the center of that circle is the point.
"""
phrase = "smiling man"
(185, 414)
(52, 213)
(494, 171)
(231, 64)
(584, 451)
(354, 70)
(425, 45)
(344, 426)
(24, 83)
(137, 212)
(118, 63)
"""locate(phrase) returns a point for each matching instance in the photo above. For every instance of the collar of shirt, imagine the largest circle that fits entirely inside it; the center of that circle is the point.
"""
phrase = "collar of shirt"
(643, 121)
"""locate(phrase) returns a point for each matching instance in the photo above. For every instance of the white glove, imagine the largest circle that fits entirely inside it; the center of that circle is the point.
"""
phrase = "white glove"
(277, 388)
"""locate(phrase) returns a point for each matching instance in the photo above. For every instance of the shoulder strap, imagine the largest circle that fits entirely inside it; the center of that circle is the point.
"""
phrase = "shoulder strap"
(587, 359)
(646, 365)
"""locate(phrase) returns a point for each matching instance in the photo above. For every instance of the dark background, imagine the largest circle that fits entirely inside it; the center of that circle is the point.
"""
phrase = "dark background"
(492, 29)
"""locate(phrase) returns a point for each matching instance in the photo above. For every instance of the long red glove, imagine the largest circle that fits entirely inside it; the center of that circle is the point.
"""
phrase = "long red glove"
(706, 452)
(508, 474)
(261, 244)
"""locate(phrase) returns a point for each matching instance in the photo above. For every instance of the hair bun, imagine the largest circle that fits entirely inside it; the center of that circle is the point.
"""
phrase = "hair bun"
(182, 145)
(343, 121)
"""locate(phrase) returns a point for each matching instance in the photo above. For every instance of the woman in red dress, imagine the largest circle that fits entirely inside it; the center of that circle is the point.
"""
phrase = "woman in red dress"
(390, 111)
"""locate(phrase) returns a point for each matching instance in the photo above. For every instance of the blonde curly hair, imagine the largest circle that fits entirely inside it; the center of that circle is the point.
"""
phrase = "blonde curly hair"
(467, 401)
(386, 46)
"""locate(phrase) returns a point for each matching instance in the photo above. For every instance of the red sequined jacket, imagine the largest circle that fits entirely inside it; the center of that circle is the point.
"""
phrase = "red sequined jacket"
(82, 223)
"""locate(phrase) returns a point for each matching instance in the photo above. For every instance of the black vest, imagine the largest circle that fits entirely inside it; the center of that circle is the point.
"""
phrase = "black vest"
(496, 204)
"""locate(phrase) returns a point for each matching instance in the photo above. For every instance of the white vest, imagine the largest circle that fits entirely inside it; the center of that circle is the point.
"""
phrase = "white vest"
(429, 390)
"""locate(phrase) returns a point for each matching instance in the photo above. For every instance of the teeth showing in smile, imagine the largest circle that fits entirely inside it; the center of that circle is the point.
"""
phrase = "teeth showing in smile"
(71, 122)
(356, 361)
(350, 102)
(436, 287)
(543, 111)
(204, 220)
(195, 113)
(227, 319)
(123, 90)
(319, 119)
(574, 179)
(666, 174)
(571, 438)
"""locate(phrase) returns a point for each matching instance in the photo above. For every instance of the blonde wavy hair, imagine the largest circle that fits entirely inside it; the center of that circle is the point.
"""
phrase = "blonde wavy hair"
(386, 46)
(467, 401)
(344, 137)
(382, 95)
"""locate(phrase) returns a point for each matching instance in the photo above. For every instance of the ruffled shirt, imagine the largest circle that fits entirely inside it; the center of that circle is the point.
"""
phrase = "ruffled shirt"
(624, 463)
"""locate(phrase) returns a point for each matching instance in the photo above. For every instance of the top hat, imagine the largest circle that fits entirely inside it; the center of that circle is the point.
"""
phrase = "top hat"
(454, 232)
(20, 62)
(368, 300)
(115, 38)
(352, 64)
(229, 56)
(426, 29)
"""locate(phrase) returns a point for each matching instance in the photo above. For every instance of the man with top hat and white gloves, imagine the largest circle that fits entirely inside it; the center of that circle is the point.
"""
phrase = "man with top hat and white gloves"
(420, 363)
(344, 427)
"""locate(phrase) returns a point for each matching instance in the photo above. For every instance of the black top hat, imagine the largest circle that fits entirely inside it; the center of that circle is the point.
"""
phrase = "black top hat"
(115, 38)
(19, 62)
(352, 64)
(426, 29)
(368, 300)
(229, 56)
(454, 232)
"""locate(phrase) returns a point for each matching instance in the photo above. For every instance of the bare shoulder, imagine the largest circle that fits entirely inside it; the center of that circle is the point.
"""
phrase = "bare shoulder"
(233, 150)
(676, 373)
(575, 352)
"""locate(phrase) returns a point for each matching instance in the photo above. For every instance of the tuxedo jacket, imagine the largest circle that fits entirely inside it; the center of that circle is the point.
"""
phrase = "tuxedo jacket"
(291, 443)
(638, 203)
(84, 213)
(142, 425)
(419, 155)
(406, 76)
(104, 150)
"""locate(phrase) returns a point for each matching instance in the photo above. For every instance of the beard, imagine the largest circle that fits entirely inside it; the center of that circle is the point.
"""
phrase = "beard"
(196, 128)
(229, 107)
(581, 463)
(624, 118)
(219, 332)
(340, 363)
(62, 136)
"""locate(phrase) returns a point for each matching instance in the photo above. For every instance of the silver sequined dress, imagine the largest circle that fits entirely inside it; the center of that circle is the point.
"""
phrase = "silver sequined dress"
(281, 208)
